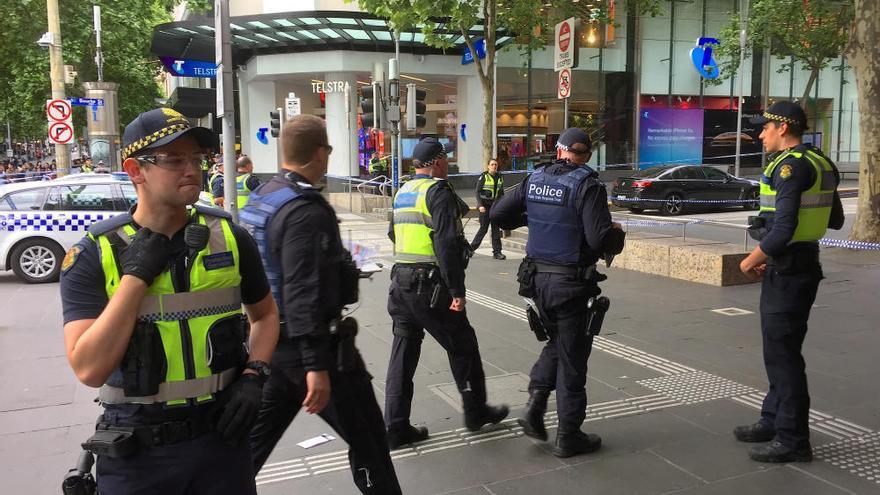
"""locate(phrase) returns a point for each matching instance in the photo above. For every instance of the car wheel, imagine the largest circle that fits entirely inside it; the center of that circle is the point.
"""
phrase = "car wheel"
(674, 204)
(37, 261)
(754, 197)
(636, 210)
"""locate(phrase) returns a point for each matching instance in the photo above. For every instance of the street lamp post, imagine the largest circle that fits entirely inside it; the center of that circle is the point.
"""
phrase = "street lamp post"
(743, 22)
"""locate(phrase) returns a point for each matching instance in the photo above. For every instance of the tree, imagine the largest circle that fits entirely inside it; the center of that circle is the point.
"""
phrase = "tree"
(863, 55)
(127, 33)
(812, 32)
(518, 17)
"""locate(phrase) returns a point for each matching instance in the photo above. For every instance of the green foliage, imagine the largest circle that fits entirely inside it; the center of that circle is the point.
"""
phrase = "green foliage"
(127, 28)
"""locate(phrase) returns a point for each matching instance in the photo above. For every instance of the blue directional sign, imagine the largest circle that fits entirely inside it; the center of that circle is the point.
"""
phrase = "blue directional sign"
(189, 68)
(86, 102)
(468, 58)
(701, 55)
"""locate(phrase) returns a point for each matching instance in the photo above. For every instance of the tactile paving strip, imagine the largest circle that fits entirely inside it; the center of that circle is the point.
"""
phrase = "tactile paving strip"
(695, 387)
(860, 456)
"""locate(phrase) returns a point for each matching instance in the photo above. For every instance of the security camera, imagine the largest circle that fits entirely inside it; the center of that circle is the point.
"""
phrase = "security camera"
(46, 40)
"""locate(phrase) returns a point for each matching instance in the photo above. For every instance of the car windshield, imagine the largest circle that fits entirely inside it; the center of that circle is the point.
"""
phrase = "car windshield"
(650, 173)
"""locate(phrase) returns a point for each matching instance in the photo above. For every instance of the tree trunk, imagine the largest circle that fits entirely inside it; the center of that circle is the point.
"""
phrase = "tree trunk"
(864, 57)
(814, 74)
(488, 113)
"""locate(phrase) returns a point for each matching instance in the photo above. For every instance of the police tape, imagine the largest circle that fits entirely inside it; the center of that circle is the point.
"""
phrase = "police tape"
(687, 201)
(845, 243)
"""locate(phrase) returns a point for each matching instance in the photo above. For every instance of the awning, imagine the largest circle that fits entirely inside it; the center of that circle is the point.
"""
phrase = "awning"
(301, 31)
(194, 103)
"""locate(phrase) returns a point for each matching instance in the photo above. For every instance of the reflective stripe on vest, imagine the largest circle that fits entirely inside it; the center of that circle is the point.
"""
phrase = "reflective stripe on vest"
(413, 224)
(814, 210)
(184, 320)
(241, 190)
(169, 391)
(489, 185)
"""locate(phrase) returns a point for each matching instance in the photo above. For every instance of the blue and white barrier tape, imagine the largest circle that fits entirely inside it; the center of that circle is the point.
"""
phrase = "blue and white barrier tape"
(844, 243)
(693, 201)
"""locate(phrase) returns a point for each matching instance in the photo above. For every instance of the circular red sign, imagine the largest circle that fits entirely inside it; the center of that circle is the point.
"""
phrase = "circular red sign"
(564, 37)
(564, 83)
(58, 110)
(60, 132)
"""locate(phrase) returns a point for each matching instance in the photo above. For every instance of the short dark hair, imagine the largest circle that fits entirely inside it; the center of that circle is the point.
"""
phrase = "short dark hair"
(301, 136)
(793, 129)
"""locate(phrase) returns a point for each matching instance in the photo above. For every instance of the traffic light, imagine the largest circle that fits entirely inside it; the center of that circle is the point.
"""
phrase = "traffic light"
(415, 107)
(275, 122)
(372, 109)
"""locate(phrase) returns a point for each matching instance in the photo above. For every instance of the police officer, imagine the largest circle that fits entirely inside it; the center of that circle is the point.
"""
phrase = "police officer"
(799, 202)
(490, 187)
(316, 365)
(153, 316)
(245, 181)
(565, 207)
(428, 293)
(215, 188)
(378, 167)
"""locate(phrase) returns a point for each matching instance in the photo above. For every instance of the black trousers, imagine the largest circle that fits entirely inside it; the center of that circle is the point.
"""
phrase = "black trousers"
(485, 224)
(352, 412)
(412, 315)
(786, 300)
(562, 365)
(204, 465)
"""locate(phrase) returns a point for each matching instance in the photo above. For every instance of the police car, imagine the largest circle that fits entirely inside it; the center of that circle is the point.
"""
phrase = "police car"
(40, 221)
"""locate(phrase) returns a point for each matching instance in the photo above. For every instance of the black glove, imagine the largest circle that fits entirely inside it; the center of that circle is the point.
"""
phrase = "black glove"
(147, 255)
(243, 399)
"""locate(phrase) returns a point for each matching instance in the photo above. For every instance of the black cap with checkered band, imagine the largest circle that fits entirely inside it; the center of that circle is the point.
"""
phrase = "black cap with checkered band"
(783, 111)
(159, 127)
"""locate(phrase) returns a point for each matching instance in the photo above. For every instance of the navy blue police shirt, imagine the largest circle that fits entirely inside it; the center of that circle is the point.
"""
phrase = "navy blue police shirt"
(509, 212)
(800, 176)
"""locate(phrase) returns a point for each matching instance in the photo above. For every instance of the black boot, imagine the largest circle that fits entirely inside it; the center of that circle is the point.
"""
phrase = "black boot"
(762, 431)
(569, 444)
(777, 452)
(499, 256)
(485, 415)
(532, 418)
(403, 435)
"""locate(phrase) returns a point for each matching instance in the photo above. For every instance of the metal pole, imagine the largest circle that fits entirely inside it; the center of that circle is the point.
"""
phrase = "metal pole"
(565, 113)
(396, 151)
(849, 149)
(765, 90)
(744, 15)
(529, 109)
(840, 108)
(56, 75)
(347, 94)
(225, 106)
(99, 56)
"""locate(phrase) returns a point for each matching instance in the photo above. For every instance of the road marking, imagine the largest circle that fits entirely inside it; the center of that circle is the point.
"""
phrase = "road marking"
(732, 311)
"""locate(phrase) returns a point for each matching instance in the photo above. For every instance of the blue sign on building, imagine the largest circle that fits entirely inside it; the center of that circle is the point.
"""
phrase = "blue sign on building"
(86, 102)
(189, 68)
(468, 58)
(701, 55)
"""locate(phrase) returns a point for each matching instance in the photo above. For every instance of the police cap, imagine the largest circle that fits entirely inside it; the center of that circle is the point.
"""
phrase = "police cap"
(159, 127)
(575, 140)
(783, 111)
(429, 149)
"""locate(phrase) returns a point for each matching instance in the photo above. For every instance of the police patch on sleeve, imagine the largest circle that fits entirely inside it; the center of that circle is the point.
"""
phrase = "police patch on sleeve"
(70, 258)
(785, 172)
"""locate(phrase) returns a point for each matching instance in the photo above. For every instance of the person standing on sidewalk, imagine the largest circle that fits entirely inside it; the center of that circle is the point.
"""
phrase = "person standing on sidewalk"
(245, 180)
(490, 187)
(799, 201)
(154, 306)
(316, 366)
(565, 207)
(427, 293)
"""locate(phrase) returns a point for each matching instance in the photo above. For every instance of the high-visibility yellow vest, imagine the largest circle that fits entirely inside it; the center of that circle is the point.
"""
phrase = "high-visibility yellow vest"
(186, 317)
(413, 224)
(378, 165)
(489, 185)
(241, 190)
(815, 208)
(210, 186)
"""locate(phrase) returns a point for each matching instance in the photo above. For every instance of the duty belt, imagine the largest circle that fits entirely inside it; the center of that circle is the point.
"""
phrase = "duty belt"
(577, 271)
(184, 389)
(166, 433)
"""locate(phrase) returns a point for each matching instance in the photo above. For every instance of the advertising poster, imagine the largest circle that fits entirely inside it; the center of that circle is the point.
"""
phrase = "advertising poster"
(669, 136)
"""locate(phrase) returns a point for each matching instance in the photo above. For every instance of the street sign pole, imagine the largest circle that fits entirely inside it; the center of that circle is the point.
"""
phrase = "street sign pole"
(225, 106)
(56, 76)
(99, 56)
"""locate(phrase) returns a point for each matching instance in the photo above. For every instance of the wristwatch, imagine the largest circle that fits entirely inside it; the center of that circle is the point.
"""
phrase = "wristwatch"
(261, 367)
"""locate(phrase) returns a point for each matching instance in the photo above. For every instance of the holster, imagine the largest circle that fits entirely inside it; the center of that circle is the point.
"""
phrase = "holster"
(526, 278)
(349, 278)
(344, 332)
(535, 324)
(117, 443)
(597, 307)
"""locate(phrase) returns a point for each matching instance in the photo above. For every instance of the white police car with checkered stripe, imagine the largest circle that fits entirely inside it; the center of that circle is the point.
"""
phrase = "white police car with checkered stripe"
(40, 221)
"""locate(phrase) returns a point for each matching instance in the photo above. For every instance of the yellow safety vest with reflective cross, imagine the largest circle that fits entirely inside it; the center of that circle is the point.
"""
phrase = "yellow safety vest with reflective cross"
(241, 189)
(210, 186)
(185, 320)
(815, 208)
(413, 224)
(489, 185)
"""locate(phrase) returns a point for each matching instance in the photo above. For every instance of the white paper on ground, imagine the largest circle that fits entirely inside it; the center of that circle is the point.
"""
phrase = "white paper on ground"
(318, 440)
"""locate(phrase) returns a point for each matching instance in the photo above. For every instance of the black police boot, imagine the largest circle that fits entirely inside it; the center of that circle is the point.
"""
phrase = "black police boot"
(777, 452)
(569, 444)
(485, 415)
(499, 256)
(403, 435)
(532, 418)
(761, 431)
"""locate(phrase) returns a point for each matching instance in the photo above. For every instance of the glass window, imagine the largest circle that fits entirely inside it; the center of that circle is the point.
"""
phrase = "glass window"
(714, 173)
(689, 173)
(129, 194)
(29, 200)
(93, 197)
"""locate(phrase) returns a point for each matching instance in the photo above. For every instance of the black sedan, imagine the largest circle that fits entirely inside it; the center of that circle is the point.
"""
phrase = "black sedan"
(677, 188)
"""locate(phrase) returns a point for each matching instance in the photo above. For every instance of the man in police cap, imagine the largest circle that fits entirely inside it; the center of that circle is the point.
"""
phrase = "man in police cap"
(316, 366)
(153, 316)
(428, 293)
(565, 207)
(799, 202)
